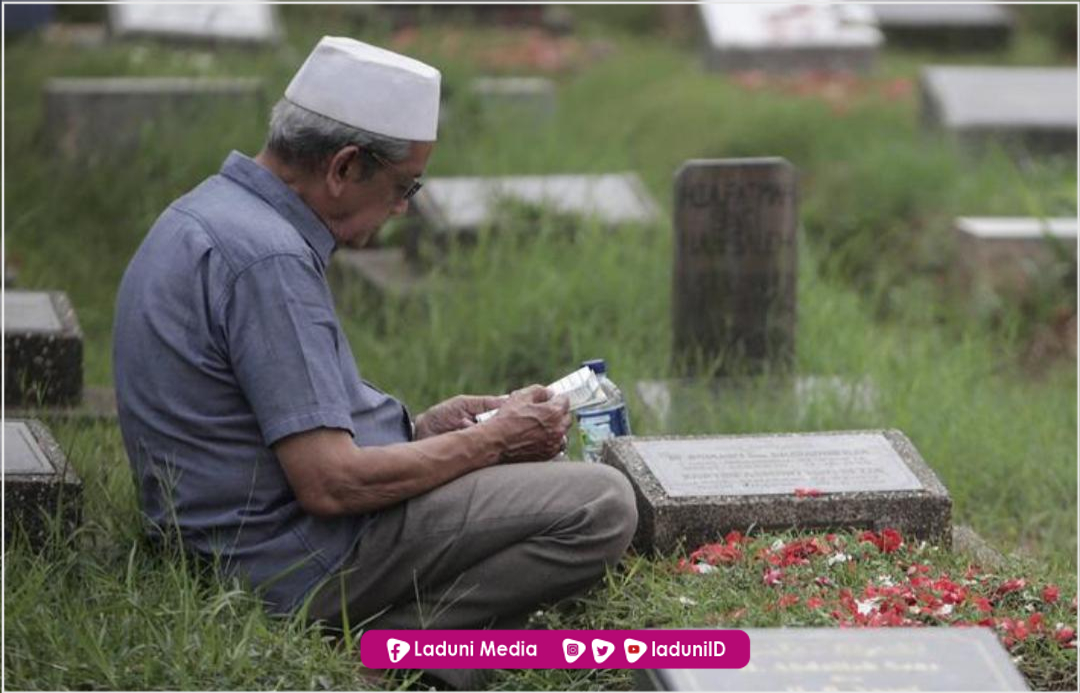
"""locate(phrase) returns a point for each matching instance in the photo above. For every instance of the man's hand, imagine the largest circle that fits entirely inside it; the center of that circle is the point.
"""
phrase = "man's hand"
(533, 424)
(454, 414)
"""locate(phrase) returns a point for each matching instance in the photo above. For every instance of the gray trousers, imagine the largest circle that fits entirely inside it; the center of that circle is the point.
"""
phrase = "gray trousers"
(484, 550)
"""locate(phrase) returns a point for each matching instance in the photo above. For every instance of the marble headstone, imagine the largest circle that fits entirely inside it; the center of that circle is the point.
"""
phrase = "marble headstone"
(858, 659)
(38, 482)
(1007, 253)
(736, 258)
(1030, 109)
(946, 25)
(532, 96)
(89, 118)
(224, 21)
(790, 37)
(699, 488)
(43, 349)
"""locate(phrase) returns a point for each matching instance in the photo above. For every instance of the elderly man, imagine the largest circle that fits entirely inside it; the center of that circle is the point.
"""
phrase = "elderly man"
(251, 433)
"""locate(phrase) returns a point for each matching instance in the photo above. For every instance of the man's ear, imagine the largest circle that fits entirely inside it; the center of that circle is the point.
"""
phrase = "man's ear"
(344, 165)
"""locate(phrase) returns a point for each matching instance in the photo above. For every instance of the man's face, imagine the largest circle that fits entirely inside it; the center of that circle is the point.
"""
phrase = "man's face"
(365, 203)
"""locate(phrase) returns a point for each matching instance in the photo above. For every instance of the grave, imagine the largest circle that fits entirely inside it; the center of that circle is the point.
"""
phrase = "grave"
(43, 349)
(461, 206)
(1005, 254)
(785, 38)
(1025, 109)
(386, 271)
(857, 659)
(222, 22)
(946, 25)
(530, 96)
(38, 482)
(695, 489)
(735, 265)
(93, 118)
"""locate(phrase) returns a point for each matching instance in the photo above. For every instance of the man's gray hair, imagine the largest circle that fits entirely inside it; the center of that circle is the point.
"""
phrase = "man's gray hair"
(303, 138)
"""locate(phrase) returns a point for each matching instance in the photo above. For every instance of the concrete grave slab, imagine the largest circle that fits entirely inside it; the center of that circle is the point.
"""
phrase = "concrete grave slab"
(735, 265)
(43, 349)
(695, 489)
(946, 25)
(1026, 109)
(857, 659)
(672, 400)
(465, 204)
(90, 119)
(222, 22)
(384, 270)
(785, 38)
(1005, 254)
(38, 482)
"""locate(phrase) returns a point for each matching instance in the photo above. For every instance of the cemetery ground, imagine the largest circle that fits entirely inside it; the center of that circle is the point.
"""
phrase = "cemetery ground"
(984, 387)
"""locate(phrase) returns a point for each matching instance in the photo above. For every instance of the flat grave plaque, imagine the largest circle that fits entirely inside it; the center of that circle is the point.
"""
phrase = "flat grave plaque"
(21, 452)
(864, 659)
(38, 482)
(945, 25)
(693, 490)
(464, 204)
(738, 466)
(1009, 255)
(30, 311)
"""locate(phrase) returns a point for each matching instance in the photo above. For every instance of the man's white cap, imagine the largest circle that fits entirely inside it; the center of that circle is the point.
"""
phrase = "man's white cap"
(369, 88)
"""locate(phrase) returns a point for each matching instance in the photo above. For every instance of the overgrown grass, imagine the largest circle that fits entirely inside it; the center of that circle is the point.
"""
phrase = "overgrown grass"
(101, 611)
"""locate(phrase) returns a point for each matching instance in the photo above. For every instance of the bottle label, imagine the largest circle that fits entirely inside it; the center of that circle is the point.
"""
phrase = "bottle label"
(598, 426)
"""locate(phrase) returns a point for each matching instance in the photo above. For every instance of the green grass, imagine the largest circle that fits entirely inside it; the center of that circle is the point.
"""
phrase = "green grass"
(102, 611)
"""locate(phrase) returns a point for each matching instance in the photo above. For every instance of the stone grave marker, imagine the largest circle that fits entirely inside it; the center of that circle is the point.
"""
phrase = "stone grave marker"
(531, 97)
(735, 264)
(946, 25)
(1006, 253)
(857, 659)
(1026, 109)
(90, 118)
(222, 22)
(700, 488)
(790, 37)
(38, 481)
(460, 206)
(43, 349)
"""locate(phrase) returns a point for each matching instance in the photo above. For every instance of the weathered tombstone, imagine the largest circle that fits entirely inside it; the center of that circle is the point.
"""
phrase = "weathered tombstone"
(946, 25)
(222, 22)
(386, 271)
(38, 482)
(858, 659)
(790, 37)
(1026, 109)
(531, 96)
(43, 349)
(699, 488)
(460, 206)
(735, 264)
(1007, 253)
(90, 118)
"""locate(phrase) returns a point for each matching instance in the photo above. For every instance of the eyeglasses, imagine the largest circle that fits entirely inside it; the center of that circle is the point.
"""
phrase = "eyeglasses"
(412, 189)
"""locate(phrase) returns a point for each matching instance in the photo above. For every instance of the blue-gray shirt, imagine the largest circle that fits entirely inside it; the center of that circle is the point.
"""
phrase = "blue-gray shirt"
(226, 341)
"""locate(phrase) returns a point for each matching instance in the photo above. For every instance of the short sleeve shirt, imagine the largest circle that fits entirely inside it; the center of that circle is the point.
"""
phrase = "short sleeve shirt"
(225, 341)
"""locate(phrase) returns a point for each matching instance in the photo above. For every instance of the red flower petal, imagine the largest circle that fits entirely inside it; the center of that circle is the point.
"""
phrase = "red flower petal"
(807, 493)
(1011, 586)
(1064, 634)
(1050, 594)
(772, 577)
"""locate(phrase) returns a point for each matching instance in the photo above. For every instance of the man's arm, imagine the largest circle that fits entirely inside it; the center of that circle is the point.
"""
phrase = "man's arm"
(331, 475)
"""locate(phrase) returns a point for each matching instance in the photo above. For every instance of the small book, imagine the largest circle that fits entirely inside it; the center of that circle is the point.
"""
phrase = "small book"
(581, 387)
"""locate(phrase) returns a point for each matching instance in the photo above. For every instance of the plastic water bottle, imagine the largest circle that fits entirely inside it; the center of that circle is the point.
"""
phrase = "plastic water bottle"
(602, 421)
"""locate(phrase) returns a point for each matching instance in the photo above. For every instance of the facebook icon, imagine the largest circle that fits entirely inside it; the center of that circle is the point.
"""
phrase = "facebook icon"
(396, 649)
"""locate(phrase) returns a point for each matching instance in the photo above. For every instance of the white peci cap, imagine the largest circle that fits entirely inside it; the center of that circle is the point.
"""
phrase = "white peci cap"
(369, 88)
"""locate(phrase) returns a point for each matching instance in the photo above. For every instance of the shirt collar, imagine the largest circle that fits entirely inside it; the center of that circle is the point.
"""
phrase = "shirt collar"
(250, 174)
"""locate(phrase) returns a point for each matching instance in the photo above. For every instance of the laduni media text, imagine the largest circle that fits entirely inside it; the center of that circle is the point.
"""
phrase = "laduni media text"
(486, 648)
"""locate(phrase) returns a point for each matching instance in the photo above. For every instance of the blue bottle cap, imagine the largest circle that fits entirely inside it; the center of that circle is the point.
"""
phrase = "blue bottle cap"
(596, 365)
